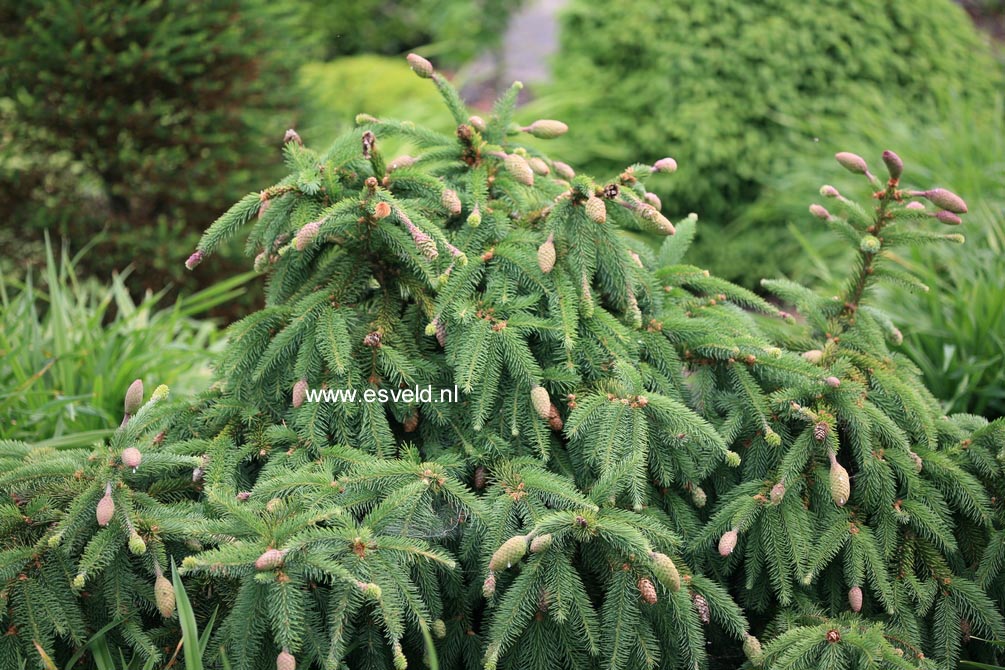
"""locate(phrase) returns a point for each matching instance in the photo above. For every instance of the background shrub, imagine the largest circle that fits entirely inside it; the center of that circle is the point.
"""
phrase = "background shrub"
(735, 90)
(135, 120)
(455, 30)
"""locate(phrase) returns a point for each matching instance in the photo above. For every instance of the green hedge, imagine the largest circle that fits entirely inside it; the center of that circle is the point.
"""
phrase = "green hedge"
(136, 119)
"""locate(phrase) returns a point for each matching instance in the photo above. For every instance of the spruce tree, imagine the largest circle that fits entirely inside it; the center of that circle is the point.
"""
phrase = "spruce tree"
(645, 462)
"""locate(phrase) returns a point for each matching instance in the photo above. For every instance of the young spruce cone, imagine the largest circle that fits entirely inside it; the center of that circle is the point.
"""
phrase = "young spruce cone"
(518, 167)
(727, 543)
(541, 401)
(752, 650)
(540, 543)
(164, 596)
(489, 586)
(855, 599)
(665, 571)
(106, 507)
(595, 209)
(648, 591)
(511, 551)
(270, 560)
(546, 254)
(131, 457)
(840, 484)
(286, 661)
(299, 393)
(134, 398)
(701, 606)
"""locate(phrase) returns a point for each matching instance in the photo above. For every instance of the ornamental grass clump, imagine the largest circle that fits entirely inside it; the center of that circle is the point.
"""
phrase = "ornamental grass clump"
(621, 415)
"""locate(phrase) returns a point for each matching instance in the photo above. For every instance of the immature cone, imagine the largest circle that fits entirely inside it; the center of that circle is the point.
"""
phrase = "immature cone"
(727, 543)
(546, 254)
(270, 560)
(286, 661)
(518, 167)
(420, 65)
(299, 393)
(542, 401)
(840, 484)
(944, 199)
(648, 591)
(489, 586)
(821, 430)
(478, 123)
(106, 507)
(595, 209)
(654, 200)
(777, 493)
(400, 662)
(852, 162)
(665, 571)
(381, 210)
(665, 165)
(832, 381)
(160, 393)
(540, 543)
(134, 397)
(915, 206)
(564, 170)
(480, 477)
(193, 260)
(918, 463)
(475, 217)
(511, 551)
(439, 628)
(370, 590)
(292, 136)
(894, 165)
(306, 235)
(450, 201)
(164, 596)
(733, 459)
(131, 457)
(699, 497)
(948, 218)
(752, 650)
(137, 547)
(813, 355)
(441, 333)
(261, 262)
(855, 599)
(820, 212)
(547, 129)
(539, 166)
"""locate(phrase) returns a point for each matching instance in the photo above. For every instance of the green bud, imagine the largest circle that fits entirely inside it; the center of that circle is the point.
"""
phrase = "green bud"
(870, 244)
(160, 393)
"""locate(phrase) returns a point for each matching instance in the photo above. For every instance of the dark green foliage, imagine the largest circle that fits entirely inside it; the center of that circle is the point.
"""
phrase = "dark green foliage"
(615, 423)
(456, 30)
(736, 90)
(137, 117)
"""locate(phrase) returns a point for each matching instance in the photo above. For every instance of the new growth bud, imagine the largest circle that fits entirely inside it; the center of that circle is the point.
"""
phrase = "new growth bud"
(292, 136)
(420, 66)
(134, 398)
(940, 197)
(667, 165)
(820, 212)
(894, 165)
(852, 162)
(547, 129)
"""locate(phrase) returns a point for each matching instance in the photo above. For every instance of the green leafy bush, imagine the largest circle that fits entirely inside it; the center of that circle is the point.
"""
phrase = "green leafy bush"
(137, 120)
(621, 415)
(69, 344)
(737, 90)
